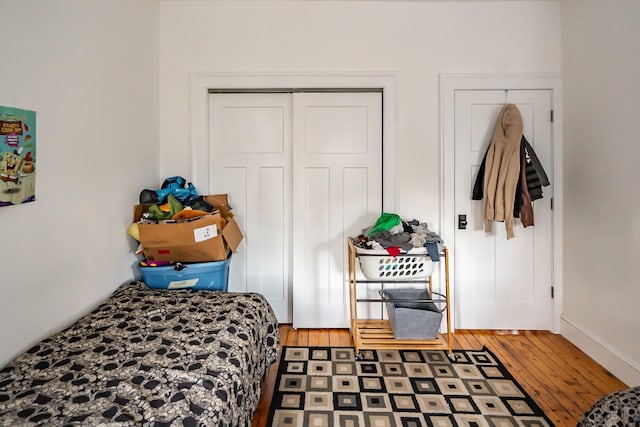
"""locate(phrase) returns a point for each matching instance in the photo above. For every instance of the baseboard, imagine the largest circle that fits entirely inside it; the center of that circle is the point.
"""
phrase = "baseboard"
(602, 353)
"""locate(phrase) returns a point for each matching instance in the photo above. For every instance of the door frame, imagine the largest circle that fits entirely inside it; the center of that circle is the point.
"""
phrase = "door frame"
(202, 83)
(449, 84)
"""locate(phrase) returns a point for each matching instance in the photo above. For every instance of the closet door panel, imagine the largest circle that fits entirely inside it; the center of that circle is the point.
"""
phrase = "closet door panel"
(250, 159)
(253, 130)
(271, 226)
(337, 191)
(316, 235)
(235, 179)
(336, 130)
(354, 180)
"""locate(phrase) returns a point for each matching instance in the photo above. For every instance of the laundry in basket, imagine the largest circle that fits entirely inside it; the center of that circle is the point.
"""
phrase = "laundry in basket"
(379, 265)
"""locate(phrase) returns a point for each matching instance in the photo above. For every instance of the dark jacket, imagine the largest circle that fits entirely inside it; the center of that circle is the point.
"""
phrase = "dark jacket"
(535, 175)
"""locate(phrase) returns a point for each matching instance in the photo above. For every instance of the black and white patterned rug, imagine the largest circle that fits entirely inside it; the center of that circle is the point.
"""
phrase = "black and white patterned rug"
(323, 386)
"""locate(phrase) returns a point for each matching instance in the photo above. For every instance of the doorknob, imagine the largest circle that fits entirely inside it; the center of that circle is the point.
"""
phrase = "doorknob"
(462, 222)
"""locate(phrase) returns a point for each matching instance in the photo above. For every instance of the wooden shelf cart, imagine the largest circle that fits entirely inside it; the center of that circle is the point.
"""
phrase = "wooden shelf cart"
(376, 334)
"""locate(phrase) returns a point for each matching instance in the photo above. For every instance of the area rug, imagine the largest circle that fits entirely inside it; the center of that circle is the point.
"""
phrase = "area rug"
(327, 386)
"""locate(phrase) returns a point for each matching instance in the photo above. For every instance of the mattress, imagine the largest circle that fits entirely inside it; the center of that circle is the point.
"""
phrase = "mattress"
(147, 357)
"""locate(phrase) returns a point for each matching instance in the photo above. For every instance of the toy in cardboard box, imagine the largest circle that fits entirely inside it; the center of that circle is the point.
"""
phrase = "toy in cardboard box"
(203, 238)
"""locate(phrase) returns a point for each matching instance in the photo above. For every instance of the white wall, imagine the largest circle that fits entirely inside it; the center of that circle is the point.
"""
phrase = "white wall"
(601, 61)
(89, 69)
(415, 41)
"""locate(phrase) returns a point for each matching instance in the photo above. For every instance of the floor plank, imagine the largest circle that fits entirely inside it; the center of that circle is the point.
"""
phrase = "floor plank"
(314, 337)
(562, 380)
(323, 337)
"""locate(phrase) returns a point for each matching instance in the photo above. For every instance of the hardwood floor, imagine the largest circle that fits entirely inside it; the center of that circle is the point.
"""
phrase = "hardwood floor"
(562, 380)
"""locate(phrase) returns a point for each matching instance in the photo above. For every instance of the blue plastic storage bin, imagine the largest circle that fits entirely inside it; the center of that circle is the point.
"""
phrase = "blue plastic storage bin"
(211, 276)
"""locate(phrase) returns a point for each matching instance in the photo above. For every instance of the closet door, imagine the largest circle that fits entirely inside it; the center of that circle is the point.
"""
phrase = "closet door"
(337, 191)
(303, 171)
(250, 159)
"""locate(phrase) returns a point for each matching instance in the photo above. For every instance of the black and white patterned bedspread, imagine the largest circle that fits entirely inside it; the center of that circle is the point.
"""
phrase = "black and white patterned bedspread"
(620, 408)
(147, 357)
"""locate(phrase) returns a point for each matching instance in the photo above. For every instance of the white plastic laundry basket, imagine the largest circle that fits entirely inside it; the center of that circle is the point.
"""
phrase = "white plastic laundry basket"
(379, 265)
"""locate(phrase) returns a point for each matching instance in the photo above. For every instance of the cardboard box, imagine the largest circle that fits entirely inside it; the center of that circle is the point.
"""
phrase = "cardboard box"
(207, 238)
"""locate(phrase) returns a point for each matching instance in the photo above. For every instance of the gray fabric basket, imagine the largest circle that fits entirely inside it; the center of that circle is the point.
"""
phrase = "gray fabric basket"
(410, 319)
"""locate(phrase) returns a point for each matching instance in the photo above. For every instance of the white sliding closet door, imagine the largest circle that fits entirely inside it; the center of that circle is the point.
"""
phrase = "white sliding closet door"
(250, 159)
(303, 171)
(337, 191)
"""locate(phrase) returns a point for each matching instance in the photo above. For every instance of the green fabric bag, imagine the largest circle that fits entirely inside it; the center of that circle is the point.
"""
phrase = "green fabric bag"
(385, 222)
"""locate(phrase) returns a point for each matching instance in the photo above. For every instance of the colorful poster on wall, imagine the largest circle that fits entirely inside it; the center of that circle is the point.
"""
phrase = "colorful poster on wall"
(17, 156)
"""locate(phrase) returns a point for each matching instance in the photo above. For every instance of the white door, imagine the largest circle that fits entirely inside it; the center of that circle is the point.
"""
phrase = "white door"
(297, 212)
(501, 284)
(337, 191)
(250, 159)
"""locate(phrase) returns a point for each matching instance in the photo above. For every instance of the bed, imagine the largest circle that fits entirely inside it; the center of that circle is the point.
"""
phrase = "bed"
(620, 408)
(147, 357)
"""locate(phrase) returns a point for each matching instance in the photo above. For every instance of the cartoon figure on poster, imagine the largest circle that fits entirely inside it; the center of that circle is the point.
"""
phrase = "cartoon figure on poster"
(17, 156)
